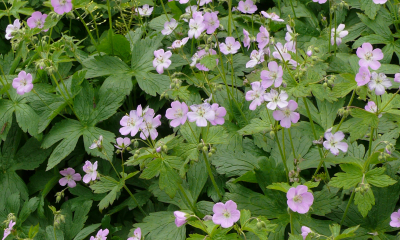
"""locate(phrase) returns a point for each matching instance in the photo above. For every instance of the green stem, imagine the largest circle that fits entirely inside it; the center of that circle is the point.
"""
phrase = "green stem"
(194, 210)
(5, 79)
(291, 3)
(165, 11)
(330, 28)
(87, 29)
(212, 176)
(282, 156)
(335, 34)
(350, 102)
(15, 63)
(8, 12)
(111, 28)
(134, 199)
(371, 138)
(347, 207)
(95, 23)
(54, 230)
(291, 144)
(394, 95)
(291, 222)
(230, 18)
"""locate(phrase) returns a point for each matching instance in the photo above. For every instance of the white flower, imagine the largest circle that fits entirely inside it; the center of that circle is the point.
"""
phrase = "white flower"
(276, 99)
(12, 28)
(340, 33)
(379, 82)
(146, 10)
(169, 27)
(179, 43)
(200, 114)
(256, 57)
(256, 95)
(333, 142)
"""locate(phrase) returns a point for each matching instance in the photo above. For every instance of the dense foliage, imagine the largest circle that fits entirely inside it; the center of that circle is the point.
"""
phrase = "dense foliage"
(140, 119)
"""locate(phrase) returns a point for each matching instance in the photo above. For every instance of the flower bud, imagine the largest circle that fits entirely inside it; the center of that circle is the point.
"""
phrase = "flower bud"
(272, 134)
(205, 149)
(136, 144)
(213, 149)
(135, 156)
(128, 149)
(118, 151)
(210, 154)
(137, 152)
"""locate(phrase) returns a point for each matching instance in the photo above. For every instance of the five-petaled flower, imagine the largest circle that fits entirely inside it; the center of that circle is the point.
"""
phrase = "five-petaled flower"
(23, 83)
(305, 231)
(8, 230)
(177, 113)
(12, 28)
(340, 33)
(137, 234)
(211, 22)
(371, 107)
(287, 115)
(262, 37)
(379, 82)
(90, 170)
(196, 26)
(299, 199)
(226, 214)
(247, 7)
(101, 235)
(276, 99)
(369, 57)
(69, 177)
(256, 57)
(231, 46)
(363, 76)
(98, 143)
(333, 142)
(273, 76)
(122, 143)
(273, 16)
(180, 218)
(179, 43)
(161, 60)
(169, 27)
(200, 114)
(246, 39)
(37, 20)
(131, 123)
(62, 6)
(395, 219)
(145, 11)
(220, 113)
(256, 95)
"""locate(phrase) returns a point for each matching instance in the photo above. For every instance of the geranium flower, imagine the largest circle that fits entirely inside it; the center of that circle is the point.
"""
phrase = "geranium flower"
(149, 112)
(196, 26)
(305, 230)
(169, 27)
(273, 16)
(69, 177)
(211, 21)
(340, 33)
(247, 7)
(149, 126)
(369, 57)
(231, 46)
(177, 113)
(333, 142)
(37, 20)
(395, 219)
(363, 76)
(371, 107)
(161, 60)
(220, 113)
(282, 51)
(273, 76)
(12, 28)
(286, 115)
(145, 11)
(320, 1)
(137, 234)
(299, 199)
(379, 1)
(379, 82)
(262, 37)
(179, 43)
(246, 39)
(289, 37)
(130, 124)
(180, 218)
(62, 6)
(256, 57)
(256, 95)
(101, 235)
(90, 170)
(226, 214)
(23, 83)
(122, 143)
(200, 114)
(8, 230)
(97, 143)
(276, 99)
(202, 2)
(397, 77)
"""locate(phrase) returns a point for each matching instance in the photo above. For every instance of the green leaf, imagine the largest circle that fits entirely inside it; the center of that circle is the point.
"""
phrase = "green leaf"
(209, 61)
(377, 177)
(157, 23)
(367, 117)
(115, 45)
(324, 202)
(364, 201)
(143, 54)
(197, 177)
(350, 178)
(370, 8)
(110, 197)
(234, 163)
(169, 180)
(256, 125)
(244, 217)
(214, 135)
(280, 186)
(152, 83)
(97, 66)
(28, 208)
(152, 169)
(263, 232)
(87, 231)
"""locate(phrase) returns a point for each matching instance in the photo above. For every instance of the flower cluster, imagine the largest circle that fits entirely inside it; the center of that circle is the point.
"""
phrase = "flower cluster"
(142, 120)
(70, 177)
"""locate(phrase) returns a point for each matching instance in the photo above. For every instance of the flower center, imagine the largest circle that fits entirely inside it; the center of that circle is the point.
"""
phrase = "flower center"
(23, 82)
(131, 122)
(39, 23)
(69, 177)
(178, 113)
(368, 56)
(298, 199)
(201, 111)
(227, 214)
(274, 75)
(287, 112)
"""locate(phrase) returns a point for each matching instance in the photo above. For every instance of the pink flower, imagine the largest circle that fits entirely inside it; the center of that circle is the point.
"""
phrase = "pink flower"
(397, 77)
(137, 234)
(282, 51)
(90, 170)
(226, 214)
(231, 46)
(169, 27)
(149, 126)
(395, 219)
(180, 218)
(62, 6)
(200, 114)
(289, 34)
(23, 83)
(256, 95)
(369, 57)
(97, 143)
(101, 235)
(69, 177)
(371, 107)
(247, 7)
(130, 124)
(37, 20)
(220, 113)
(339, 34)
(379, 1)
(123, 143)
(379, 82)
(320, 1)
(276, 99)
(273, 76)
(262, 37)
(12, 28)
(177, 113)
(145, 11)
(202, 2)
(286, 115)
(179, 43)
(211, 21)
(8, 230)
(363, 76)
(196, 26)
(246, 39)
(333, 142)
(199, 55)
(256, 57)
(299, 200)
(161, 60)
(272, 16)
(305, 230)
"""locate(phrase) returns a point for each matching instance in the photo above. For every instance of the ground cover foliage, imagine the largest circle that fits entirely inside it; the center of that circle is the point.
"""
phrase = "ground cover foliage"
(199, 119)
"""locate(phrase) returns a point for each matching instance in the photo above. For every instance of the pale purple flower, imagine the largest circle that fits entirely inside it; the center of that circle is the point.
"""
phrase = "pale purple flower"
(282, 51)
(220, 113)
(247, 7)
(161, 60)
(37, 20)
(273, 16)
(202, 2)
(289, 37)
(145, 11)
(379, 82)
(340, 33)
(137, 234)
(200, 55)
(179, 43)
(371, 107)
(276, 99)
(369, 57)
(149, 126)
(180, 218)
(305, 230)
(333, 142)
(231, 46)
(90, 170)
(8, 230)
(273, 76)
(158, 149)
(397, 77)
(256, 95)
(246, 39)
(23, 83)
(363, 76)
(123, 143)
(183, 1)
(309, 53)
(12, 28)
(211, 21)
(379, 1)
(69, 177)
(147, 111)
(395, 219)
(320, 1)
(62, 6)
(287, 115)
(262, 37)
(200, 114)
(169, 27)
(196, 26)
(191, 10)
(299, 199)
(101, 235)
(177, 113)
(131, 123)
(225, 214)
(256, 57)
(97, 143)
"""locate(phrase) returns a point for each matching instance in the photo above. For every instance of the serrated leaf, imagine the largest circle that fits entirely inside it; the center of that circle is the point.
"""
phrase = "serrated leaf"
(350, 178)
(256, 125)
(377, 177)
(215, 135)
(209, 61)
(364, 201)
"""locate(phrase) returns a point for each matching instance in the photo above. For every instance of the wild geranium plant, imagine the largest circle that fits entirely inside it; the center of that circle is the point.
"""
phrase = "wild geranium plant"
(199, 120)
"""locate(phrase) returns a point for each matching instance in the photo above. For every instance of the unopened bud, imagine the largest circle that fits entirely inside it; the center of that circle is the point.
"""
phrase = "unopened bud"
(135, 156)
(213, 150)
(136, 144)
(165, 148)
(205, 149)
(272, 134)
(210, 154)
